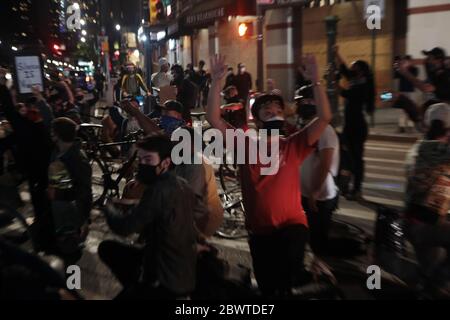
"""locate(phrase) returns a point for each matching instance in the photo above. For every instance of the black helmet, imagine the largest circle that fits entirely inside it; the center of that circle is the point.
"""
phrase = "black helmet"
(264, 99)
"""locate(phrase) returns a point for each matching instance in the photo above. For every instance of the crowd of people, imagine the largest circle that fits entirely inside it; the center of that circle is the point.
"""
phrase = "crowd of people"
(175, 209)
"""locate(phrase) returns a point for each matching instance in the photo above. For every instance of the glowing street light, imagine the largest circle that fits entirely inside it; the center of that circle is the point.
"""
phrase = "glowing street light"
(83, 32)
(14, 48)
(83, 39)
(82, 22)
(118, 27)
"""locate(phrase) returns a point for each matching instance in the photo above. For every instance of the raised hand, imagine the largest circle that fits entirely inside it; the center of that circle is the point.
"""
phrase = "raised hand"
(311, 68)
(218, 67)
(36, 90)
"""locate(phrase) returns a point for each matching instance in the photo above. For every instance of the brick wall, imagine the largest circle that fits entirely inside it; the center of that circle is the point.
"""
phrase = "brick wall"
(353, 38)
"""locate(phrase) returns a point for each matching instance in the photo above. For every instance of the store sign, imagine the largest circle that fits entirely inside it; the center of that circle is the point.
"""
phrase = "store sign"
(205, 16)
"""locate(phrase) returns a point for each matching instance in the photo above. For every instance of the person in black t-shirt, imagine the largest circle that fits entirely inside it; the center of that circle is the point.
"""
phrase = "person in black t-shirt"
(407, 89)
(438, 75)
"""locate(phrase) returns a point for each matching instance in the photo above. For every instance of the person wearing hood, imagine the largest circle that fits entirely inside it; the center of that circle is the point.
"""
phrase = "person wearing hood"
(275, 218)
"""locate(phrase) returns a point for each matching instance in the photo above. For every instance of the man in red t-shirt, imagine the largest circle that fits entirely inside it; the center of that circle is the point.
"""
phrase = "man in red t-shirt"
(275, 218)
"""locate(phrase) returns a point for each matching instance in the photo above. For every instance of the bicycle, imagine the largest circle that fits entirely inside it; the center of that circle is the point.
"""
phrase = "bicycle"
(107, 185)
(233, 226)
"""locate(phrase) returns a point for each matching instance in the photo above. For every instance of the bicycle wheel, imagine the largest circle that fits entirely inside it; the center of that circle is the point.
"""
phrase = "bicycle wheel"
(233, 226)
(103, 187)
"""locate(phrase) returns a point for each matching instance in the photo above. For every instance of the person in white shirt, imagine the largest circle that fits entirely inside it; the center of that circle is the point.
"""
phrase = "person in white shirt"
(162, 78)
(319, 191)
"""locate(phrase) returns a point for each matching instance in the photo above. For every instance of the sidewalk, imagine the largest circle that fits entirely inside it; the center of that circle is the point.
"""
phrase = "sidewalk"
(386, 127)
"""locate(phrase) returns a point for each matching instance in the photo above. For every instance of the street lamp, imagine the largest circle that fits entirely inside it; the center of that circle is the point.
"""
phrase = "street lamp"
(82, 22)
(83, 39)
(118, 27)
(83, 32)
(14, 48)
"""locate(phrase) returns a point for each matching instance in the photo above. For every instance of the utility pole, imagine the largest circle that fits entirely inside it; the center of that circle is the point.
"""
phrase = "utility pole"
(331, 27)
(260, 48)
(148, 56)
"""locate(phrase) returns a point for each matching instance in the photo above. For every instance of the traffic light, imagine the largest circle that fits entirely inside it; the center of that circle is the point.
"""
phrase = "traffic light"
(157, 11)
(153, 11)
(245, 29)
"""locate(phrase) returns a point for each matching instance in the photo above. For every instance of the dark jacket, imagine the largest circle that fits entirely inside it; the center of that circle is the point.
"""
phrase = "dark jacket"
(80, 173)
(165, 219)
(30, 140)
(355, 102)
(46, 112)
(243, 83)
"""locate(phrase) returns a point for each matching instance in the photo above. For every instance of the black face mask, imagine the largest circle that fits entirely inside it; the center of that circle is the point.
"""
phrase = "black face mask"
(146, 174)
(274, 125)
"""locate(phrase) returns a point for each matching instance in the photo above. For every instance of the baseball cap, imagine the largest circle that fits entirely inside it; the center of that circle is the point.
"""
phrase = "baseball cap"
(162, 62)
(437, 52)
(173, 105)
(439, 111)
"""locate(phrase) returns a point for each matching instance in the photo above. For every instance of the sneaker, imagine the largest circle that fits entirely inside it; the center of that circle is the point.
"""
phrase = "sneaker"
(354, 196)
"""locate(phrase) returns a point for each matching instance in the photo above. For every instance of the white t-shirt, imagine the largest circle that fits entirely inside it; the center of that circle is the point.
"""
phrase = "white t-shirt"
(310, 167)
(161, 79)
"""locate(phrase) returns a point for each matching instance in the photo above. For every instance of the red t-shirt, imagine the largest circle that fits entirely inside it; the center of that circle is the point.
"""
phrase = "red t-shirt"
(274, 201)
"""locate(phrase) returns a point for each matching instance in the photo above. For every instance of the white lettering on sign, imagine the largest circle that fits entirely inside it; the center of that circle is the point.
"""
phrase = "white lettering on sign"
(204, 16)
(29, 73)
